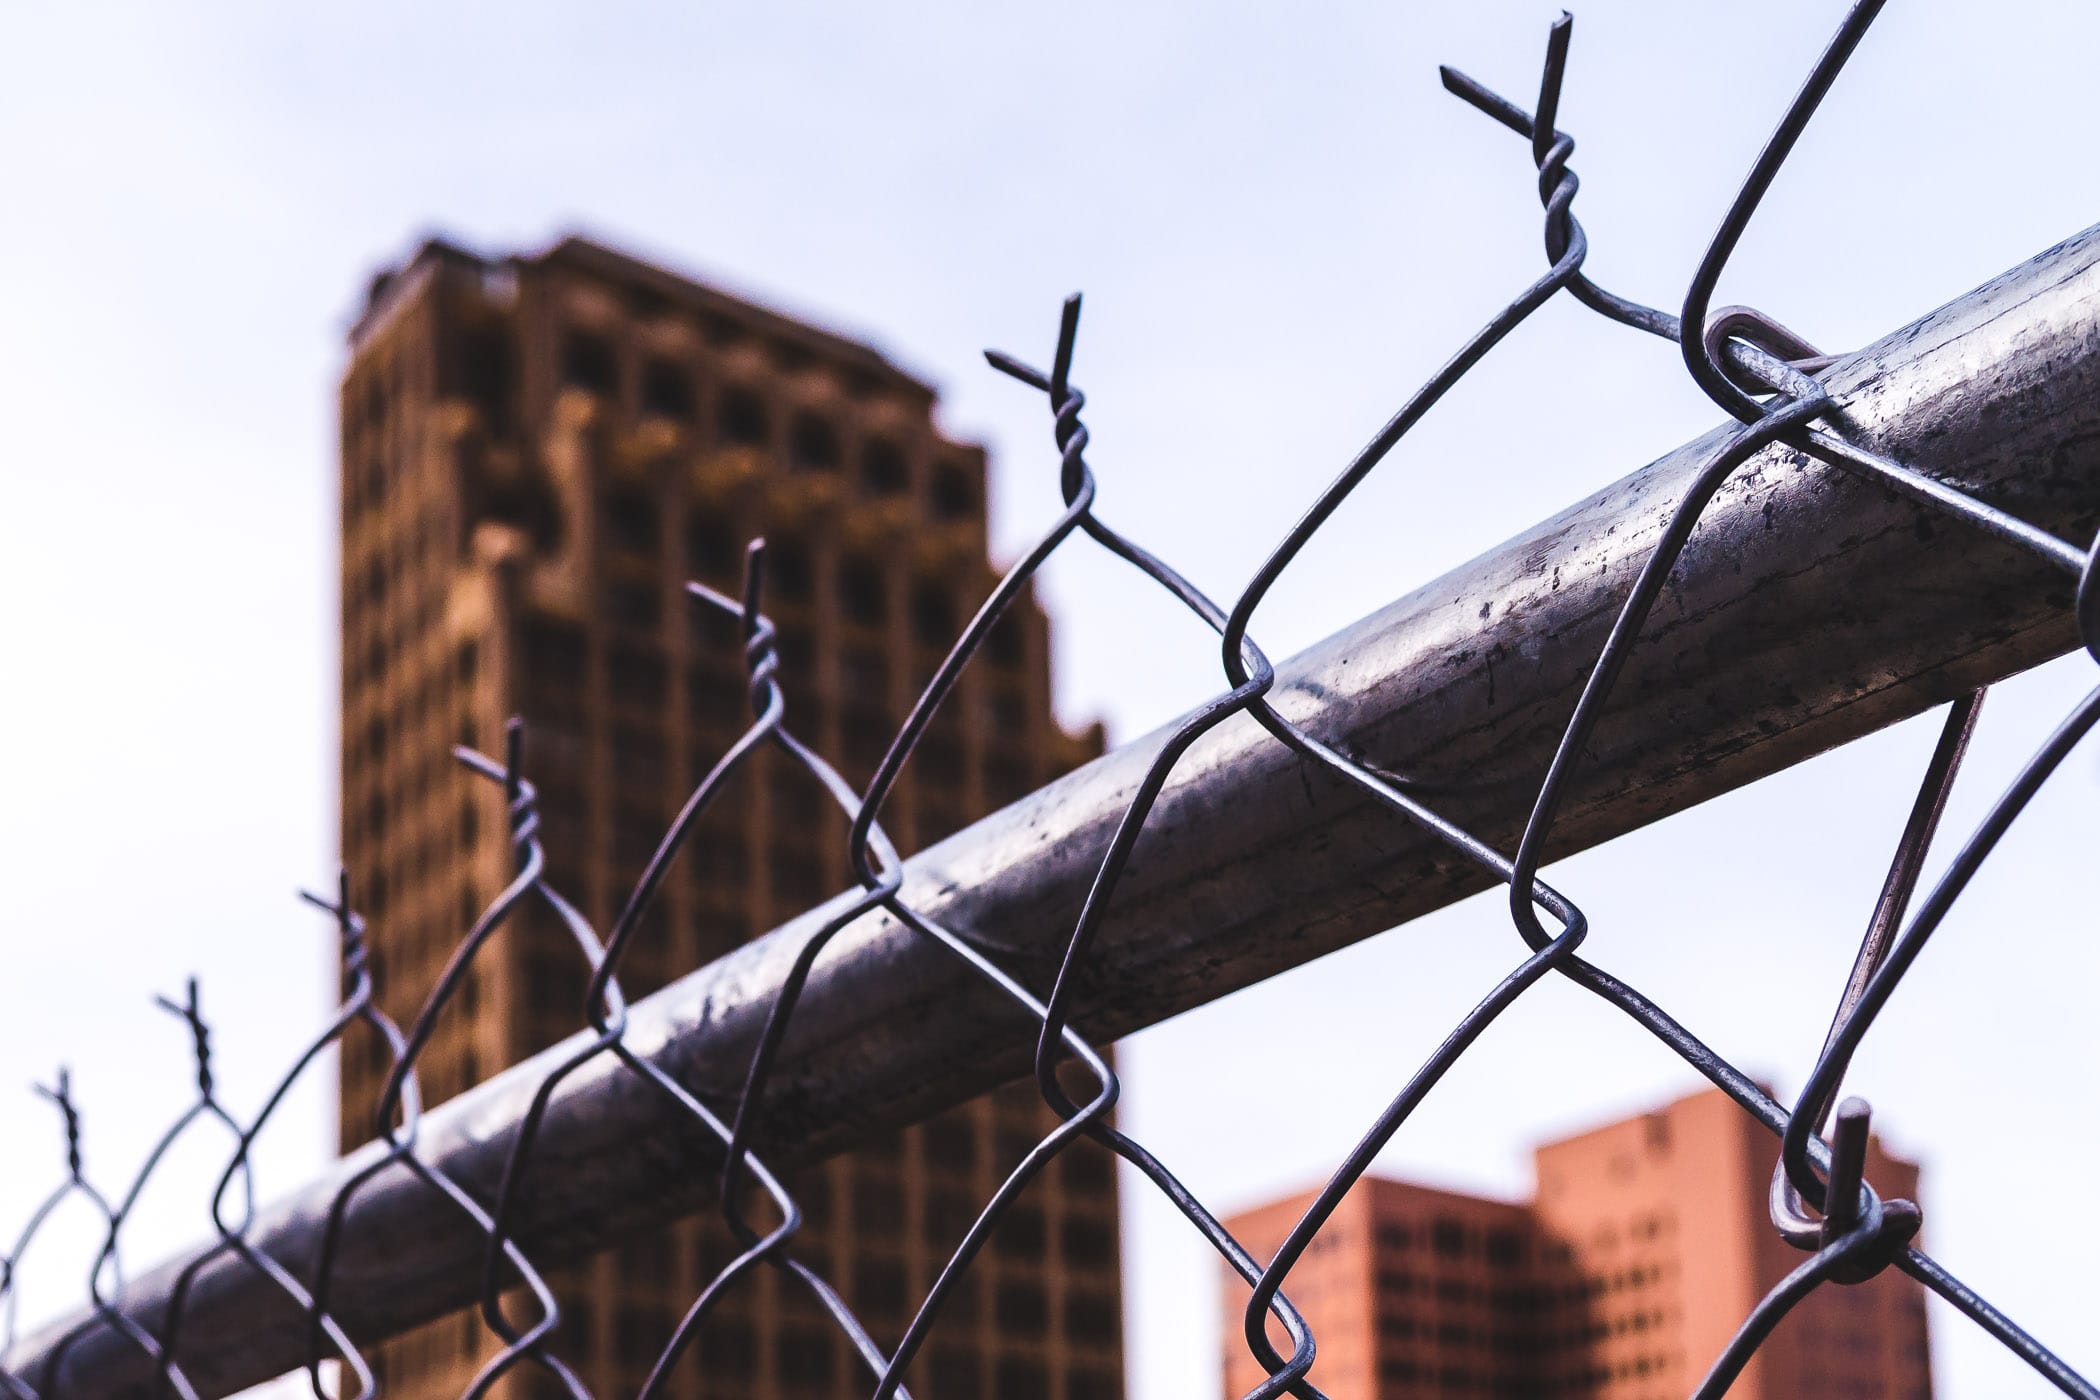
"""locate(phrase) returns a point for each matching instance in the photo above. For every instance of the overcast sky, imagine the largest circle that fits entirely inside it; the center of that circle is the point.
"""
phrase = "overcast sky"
(1281, 223)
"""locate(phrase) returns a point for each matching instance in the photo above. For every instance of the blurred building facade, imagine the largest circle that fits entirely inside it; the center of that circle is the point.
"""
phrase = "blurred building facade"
(1648, 1244)
(536, 454)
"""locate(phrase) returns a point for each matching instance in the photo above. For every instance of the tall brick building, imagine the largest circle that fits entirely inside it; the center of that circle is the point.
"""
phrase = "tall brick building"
(536, 454)
(1646, 1247)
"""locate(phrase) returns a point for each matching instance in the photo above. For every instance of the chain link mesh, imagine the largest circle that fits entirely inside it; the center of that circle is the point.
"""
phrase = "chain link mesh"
(1760, 373)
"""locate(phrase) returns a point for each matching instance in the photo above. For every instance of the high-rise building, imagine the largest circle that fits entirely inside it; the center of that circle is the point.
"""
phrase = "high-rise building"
(537, 453)
(1648, 1244)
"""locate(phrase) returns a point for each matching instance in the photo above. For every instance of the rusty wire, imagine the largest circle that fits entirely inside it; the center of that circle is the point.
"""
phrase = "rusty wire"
(1755, 369)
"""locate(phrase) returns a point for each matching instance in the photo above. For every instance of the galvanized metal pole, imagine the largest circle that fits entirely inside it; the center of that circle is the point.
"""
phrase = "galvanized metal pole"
(1809, 609)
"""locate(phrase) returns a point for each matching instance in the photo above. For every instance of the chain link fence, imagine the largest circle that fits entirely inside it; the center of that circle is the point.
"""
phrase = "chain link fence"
(1777, 390)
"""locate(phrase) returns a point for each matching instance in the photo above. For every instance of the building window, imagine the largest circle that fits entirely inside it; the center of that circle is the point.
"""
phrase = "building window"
(883, 470)
(950, 1144)
(956, 1375)
(862, 596)
(1021, 1309)
(1007, 778)
(630, 523)
(787, 571)
(1020, 1234)
(813, 444)
(1022, 1378)
(1092, 1317)
(1007, 646)
(932, 614)
(667, 391)
(711, 553)
(805, 1360)
(588, 362)
(742, 421)
(633, 603)
(636, 678)
(1088, 1243)
(954, 491)
(878, 1206)
(797, 875)
(638, 757)
(553, 650)
(879, 1287)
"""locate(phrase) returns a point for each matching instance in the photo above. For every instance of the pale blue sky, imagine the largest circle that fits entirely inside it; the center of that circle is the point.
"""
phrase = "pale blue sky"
(1281, 223)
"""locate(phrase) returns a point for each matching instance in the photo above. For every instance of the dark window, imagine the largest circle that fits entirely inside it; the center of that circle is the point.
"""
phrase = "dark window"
(721, 330)
(637, 831)
(956, 1375)
(883, 470)
(715, 695)
(940, 760)
(641, 1330)
(667, 390)
(949, 1214)
(1088, 1242)
(1020, 1234)
(630, 523)
(553, 986)
(932, 614)
(1007, 646)
(1007, 778)
(484, 372)
(1007, 714)
(798, 662)
(638, 757)
(806, 1360)
(878, 1206)
(950, 1145)
(864, 673)
(633, 602)
(724, 1349)
(1087, 1168)
(1021, 1378)
(1448, 1237)
(867, 733)
(862, 596)
(1020, 1308)
(742, 419)
(954, 491)
(787, 571)
(636, 678)
(879, 1287)
(711, 553)
(588, 362)
(553, 651)
(813, 445)
(1093, 1317)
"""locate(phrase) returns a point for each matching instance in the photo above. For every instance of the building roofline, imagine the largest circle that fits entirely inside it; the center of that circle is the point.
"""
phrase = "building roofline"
(589, 255)
(392, 287)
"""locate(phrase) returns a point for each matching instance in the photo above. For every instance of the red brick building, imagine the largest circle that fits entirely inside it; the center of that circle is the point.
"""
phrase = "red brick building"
(1647, 1245)
(537, 452)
